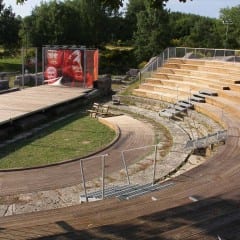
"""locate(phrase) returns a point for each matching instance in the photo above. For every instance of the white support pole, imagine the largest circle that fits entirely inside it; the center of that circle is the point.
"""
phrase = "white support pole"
(36, 67)
(22, 68)
(83, 180)
(125, 167)
(103, 175)
(43, 61)
(154, 164)
(85, 69)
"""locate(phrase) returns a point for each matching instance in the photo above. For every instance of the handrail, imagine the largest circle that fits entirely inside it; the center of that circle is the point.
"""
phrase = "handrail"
(229, 55)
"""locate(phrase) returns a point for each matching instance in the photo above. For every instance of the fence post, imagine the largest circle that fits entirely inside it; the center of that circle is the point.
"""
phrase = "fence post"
(83, 180)
(23, 63)
(103, 175)
(43, 61)
(125, 166)
(36, 66)
(154, 164)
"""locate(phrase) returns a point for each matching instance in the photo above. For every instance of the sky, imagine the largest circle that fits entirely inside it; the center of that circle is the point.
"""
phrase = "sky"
(22, 10)
(208, 8)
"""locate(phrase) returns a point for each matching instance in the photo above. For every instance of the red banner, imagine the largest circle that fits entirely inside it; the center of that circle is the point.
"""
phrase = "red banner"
(69, 64)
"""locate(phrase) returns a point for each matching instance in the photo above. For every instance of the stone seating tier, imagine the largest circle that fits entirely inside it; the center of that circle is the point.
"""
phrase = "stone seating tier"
(190, 85)
(181, 79)
(194, 76)
(231, 78)
(205, 62)
(190, 81)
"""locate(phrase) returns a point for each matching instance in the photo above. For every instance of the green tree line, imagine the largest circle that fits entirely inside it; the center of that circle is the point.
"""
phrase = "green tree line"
(147, 26)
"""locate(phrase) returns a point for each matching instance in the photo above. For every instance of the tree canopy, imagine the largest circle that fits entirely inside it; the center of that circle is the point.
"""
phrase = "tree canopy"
(9, 27)
(115, 4)
(145, 26)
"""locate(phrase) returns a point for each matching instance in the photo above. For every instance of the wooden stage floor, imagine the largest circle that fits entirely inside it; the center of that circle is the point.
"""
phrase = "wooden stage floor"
(21, 103)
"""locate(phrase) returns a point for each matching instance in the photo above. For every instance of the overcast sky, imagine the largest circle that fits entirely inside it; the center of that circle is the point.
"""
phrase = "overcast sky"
(209, 8)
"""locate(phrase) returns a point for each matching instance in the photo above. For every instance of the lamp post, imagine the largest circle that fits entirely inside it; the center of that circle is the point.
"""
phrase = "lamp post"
(227, 22)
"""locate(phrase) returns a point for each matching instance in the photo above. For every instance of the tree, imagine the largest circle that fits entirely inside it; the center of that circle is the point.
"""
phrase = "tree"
(52, 23)
(81, 22)
(115, 4)
(133, 8)
(230, 19)
(152, 33)
(9, 27)
(204, 34)
(194, 31)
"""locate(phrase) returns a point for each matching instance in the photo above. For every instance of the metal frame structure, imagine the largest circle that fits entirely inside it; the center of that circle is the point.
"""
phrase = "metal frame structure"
(24, 55)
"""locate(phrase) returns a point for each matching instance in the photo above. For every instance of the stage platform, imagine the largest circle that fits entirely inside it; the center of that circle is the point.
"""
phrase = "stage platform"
(16, 105)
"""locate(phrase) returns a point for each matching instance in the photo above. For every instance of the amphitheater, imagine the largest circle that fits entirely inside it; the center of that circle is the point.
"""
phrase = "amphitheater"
(168, 202)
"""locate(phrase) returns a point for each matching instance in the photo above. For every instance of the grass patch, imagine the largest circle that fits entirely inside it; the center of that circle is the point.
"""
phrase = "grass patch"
(72, 138)
(11, 64)
(121, 48)
(131, 87)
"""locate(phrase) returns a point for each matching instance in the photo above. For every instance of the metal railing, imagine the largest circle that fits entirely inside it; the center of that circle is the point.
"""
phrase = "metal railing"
(137, 166)
(229, 55)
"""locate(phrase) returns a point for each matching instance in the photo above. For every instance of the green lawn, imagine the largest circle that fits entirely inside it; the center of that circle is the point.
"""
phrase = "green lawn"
(10, 64)
(72, 138)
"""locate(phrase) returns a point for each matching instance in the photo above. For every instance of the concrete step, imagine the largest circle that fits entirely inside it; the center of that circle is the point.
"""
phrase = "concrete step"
(162, 88)
(213, 69)
(202, 62)
(208, 92)
(194, 77)
(199, 95)
(167, 97)
(186, 104)
(194, 85)
(231, 78)
(226, 105)
(197, 99)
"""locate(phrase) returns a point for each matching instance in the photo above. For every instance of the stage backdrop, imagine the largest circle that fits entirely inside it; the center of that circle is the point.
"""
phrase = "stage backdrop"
(77, 66)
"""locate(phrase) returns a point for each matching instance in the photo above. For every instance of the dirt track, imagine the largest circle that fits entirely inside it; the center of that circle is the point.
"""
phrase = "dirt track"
(68, 174)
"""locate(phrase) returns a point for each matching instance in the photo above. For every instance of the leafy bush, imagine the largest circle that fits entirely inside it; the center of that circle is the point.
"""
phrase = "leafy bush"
(116, 61)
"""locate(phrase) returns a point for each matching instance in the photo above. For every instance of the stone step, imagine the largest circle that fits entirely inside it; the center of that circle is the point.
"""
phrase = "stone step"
(186, 104)
(194, 77)
(231, 78)
(167, 97)
(208, 92)
(206, 63)
(194, 84)
(212, 69)
(197, 99)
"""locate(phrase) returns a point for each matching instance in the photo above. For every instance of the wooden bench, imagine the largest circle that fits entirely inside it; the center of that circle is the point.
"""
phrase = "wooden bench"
(103, 111)
(99, 110)
(94, 111)
(115, 100)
